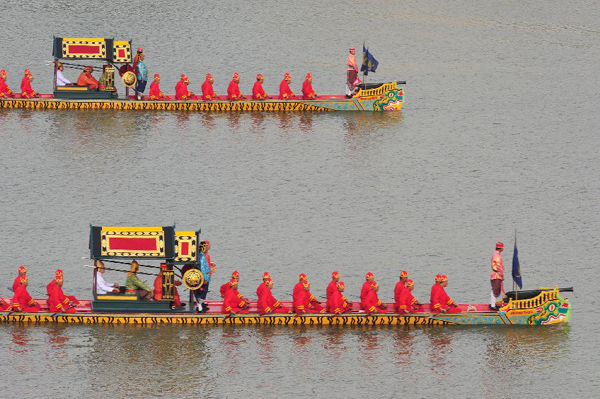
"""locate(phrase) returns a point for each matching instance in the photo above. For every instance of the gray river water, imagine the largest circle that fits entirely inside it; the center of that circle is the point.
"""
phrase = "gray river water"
(499, 133)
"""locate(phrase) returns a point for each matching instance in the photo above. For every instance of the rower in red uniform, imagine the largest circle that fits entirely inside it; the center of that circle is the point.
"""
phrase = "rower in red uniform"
(366, 287)
(17, 282)
(440, 301)
(155, 93)
(58, 301)
(233, 90)
(225, 287)
(497, 278)
(305, 302)
(5, 91)
(372, 302)
(302, 278)
(158, 287)
(331, 289)
(258, 93)
(181, 90)
(4, 305)
(307, 91)
(285, 93)
(267, 303)
(26, 89)
(400, 287)
(51, 287)
(22, 301)
(234, 302)
(86, 78)
(407, 302)
(339, 304)
(208, 93)
(263, 285)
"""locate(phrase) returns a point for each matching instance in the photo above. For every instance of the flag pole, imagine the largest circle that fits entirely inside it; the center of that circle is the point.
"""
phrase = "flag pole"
(515, 286)
(364, 76)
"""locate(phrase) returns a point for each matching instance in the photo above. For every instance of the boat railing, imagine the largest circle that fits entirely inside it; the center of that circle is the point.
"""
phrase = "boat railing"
(543, 297)
(386, 87)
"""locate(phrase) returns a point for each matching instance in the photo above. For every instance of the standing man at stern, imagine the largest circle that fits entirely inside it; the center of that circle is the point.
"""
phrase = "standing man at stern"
(497, 278)
(351, 72)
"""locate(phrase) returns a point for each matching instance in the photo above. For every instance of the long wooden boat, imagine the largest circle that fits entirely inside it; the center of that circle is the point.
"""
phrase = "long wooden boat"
(179, 251)
(373, 97)
(547, 308)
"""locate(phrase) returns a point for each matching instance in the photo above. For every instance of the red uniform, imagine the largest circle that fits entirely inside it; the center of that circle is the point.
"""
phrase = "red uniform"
(182, 93)
(373, 303)
(5, 91)
(26, 89)
(234, 302)
(4, 305)
(224, 288)
(50, 290)
(297, 288)
(338, 303)
(307, 91)
(23, 301)
(233, 91)
(440, 300)
(366, 288)
(16, 284)
(268, 304)
(258, 93)
(331, 290)
(158, 291)
(400, 288)
(155, 93)
(86, 79)
(208, 93)
(285, 93)
(58, 301)
(406, 302)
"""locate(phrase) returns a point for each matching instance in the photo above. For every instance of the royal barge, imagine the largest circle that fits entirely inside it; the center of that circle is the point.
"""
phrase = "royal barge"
(117, 55)
(179, 250)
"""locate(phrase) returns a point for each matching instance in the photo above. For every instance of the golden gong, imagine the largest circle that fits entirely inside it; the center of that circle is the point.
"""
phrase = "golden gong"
(129, 79)
(193, 279)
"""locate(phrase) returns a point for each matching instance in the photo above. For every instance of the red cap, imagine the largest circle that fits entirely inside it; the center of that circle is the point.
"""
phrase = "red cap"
(266, 275)
(335, 275)
(236, 75)
(369, 275)
(308, 75)
(438, 277)
(27, 72)
(59, 273)
(302, 276)
(22, 269)
(443, 278)
(259, 76)
(403, 273)
(235, 274)
(410, 283)
(500, 245)
(287, 75)
(352, 49)
(268, 281)
(156, 76)
(163, 266)
(140, 50)
(374, 284)
(341, 284)
(3, 72)
(306, 284)
(208, 76)
(183, 77)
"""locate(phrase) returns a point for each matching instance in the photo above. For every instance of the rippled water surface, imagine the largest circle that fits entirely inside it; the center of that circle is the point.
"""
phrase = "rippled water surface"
(499, 132)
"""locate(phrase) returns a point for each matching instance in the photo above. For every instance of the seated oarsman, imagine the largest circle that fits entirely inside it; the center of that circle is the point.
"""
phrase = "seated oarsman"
(366, 287)
(102, 287)
(26, 89)
(22, 301)
(285, 93)
(307, 91)
(235, 275)
(233, 90)
(407, 303)
(339, 303)
(305, 302)
(372, 302)
(5, 91)
(86, 78)
(60, 78)
(182, 91)
(234, 301)
(158, 287)
(331, 289)
(134, 285)
(58, 301)
(258, 93)
(17, 282)
(440, 301)
(208, 93)
(400, 287)
(52, 286)
(302, 278)
(155, 93)
(267, 304)
(263, 285)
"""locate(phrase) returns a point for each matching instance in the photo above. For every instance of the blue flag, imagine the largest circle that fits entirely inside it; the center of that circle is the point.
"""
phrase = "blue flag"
(369, 63)
(516, 268)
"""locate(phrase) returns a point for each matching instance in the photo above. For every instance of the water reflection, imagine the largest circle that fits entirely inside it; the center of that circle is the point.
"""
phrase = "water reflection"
(404, 342)
(440, 346)
(20, 338)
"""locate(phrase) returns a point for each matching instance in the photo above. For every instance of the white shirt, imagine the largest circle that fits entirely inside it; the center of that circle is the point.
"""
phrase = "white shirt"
(60, 79)
(102, 287)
